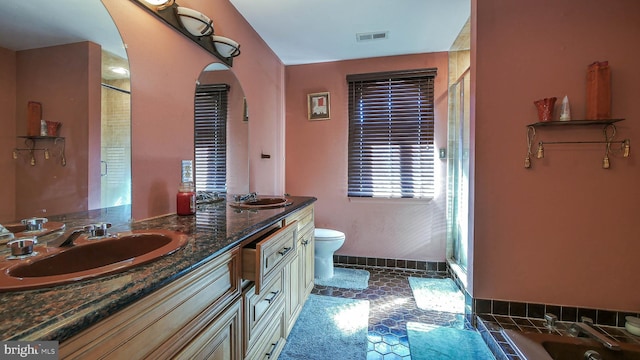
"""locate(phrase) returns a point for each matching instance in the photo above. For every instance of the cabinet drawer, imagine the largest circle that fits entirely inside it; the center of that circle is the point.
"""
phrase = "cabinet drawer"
(262, 259)
(259, 307)
(303, 217)
(271, 341)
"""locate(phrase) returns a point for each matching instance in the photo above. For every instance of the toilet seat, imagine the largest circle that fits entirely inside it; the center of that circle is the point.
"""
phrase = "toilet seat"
(327, 235)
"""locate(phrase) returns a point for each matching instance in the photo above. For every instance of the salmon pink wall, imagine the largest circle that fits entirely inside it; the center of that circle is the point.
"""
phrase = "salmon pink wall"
(565, 231)
(164, 67)
(65, 80)
(7, 135)
(316, 161)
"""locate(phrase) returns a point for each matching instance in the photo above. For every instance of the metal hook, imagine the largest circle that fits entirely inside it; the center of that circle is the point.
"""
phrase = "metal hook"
(531, 134)
(608, 139)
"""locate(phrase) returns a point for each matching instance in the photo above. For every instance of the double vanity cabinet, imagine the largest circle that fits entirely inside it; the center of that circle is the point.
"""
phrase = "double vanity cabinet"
(197, 314)
(240, 304)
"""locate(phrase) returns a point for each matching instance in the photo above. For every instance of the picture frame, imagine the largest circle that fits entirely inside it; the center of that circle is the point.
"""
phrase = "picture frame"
(318, 106)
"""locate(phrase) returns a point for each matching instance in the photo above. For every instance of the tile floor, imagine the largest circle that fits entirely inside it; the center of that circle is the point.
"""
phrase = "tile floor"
(391, 306)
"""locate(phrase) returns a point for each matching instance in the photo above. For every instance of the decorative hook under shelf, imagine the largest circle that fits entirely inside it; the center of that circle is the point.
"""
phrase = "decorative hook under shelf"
(63, 159)
(30, 143)
(583, 142)
(625, 148)
(531, 134)
(32, 160)
(609, 132)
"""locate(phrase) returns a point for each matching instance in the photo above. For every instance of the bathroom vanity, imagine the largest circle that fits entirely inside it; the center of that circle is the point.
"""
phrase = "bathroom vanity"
(233, 291)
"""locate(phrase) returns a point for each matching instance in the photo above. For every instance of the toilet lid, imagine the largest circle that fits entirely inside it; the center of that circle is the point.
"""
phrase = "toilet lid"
(328, 234)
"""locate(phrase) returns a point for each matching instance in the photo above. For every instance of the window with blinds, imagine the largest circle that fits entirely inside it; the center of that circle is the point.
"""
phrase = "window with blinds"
(211, 138)
(391, 134)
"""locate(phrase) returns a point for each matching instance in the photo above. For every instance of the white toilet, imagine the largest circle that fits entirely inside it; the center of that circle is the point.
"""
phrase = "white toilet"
(327, 242)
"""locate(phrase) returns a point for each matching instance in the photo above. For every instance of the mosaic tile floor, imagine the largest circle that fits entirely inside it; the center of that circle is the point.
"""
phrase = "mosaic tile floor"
(391, 306)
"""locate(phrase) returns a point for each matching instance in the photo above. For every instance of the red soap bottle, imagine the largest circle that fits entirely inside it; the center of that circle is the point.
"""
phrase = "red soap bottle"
(186, 199)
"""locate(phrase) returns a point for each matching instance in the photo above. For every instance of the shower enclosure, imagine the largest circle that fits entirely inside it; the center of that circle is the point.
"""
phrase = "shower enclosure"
(458, 172)
(116, 144)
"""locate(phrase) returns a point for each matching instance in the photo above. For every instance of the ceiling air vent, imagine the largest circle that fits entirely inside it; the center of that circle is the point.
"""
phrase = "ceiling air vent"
(372, 36)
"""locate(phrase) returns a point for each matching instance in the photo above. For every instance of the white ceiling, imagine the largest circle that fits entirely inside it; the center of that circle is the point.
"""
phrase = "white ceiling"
(31, 24)
(302, 32)
(299, 32)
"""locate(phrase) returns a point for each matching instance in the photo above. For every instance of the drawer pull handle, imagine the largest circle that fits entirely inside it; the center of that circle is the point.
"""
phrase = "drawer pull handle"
(273, 348)
(284, 251)
(305, 242)
(275, 294)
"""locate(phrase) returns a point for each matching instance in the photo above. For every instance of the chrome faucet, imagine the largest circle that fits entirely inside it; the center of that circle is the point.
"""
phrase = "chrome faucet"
(248, 197)
(586, 327)
(68, 238)
(98, 230)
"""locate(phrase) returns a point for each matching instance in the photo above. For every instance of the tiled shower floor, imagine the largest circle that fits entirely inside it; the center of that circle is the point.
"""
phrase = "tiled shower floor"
(391, 306)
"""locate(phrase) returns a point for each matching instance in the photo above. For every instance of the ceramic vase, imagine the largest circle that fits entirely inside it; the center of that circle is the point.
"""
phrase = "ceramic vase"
(52, 128)
(545, 108)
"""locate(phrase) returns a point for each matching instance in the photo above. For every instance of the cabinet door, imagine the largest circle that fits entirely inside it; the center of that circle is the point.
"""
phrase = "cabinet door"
(307, 259)
(293, 305)
(221, 340)
(164, 321)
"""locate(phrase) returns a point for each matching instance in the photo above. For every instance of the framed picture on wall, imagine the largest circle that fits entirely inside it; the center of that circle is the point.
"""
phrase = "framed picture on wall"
(318, 106)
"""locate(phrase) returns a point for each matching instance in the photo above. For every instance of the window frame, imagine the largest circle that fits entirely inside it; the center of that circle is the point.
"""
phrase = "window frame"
(392, 162)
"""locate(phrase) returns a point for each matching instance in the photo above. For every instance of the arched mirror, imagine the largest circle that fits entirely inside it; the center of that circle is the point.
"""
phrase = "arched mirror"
(70, 67)
(221, 132)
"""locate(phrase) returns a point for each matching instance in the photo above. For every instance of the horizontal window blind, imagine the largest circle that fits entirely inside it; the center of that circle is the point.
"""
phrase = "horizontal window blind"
(391, 134)
(211, 138)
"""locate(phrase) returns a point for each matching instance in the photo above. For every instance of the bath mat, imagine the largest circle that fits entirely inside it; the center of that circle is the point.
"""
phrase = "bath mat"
(439, 343)
(329, 328)
(437, 295)
(347, 279)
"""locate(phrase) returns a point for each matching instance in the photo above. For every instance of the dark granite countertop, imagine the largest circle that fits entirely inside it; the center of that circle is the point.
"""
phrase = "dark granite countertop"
(59, 312)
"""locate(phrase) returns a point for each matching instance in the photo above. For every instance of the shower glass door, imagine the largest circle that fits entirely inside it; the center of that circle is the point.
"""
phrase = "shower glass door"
(458, 172)
(115, 151)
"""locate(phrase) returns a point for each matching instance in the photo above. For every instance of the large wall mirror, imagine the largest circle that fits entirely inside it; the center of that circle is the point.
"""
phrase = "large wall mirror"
(221, 132)
(69, 58)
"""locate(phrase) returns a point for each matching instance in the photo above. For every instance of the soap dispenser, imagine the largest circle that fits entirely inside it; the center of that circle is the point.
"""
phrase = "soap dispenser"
(186, 198)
